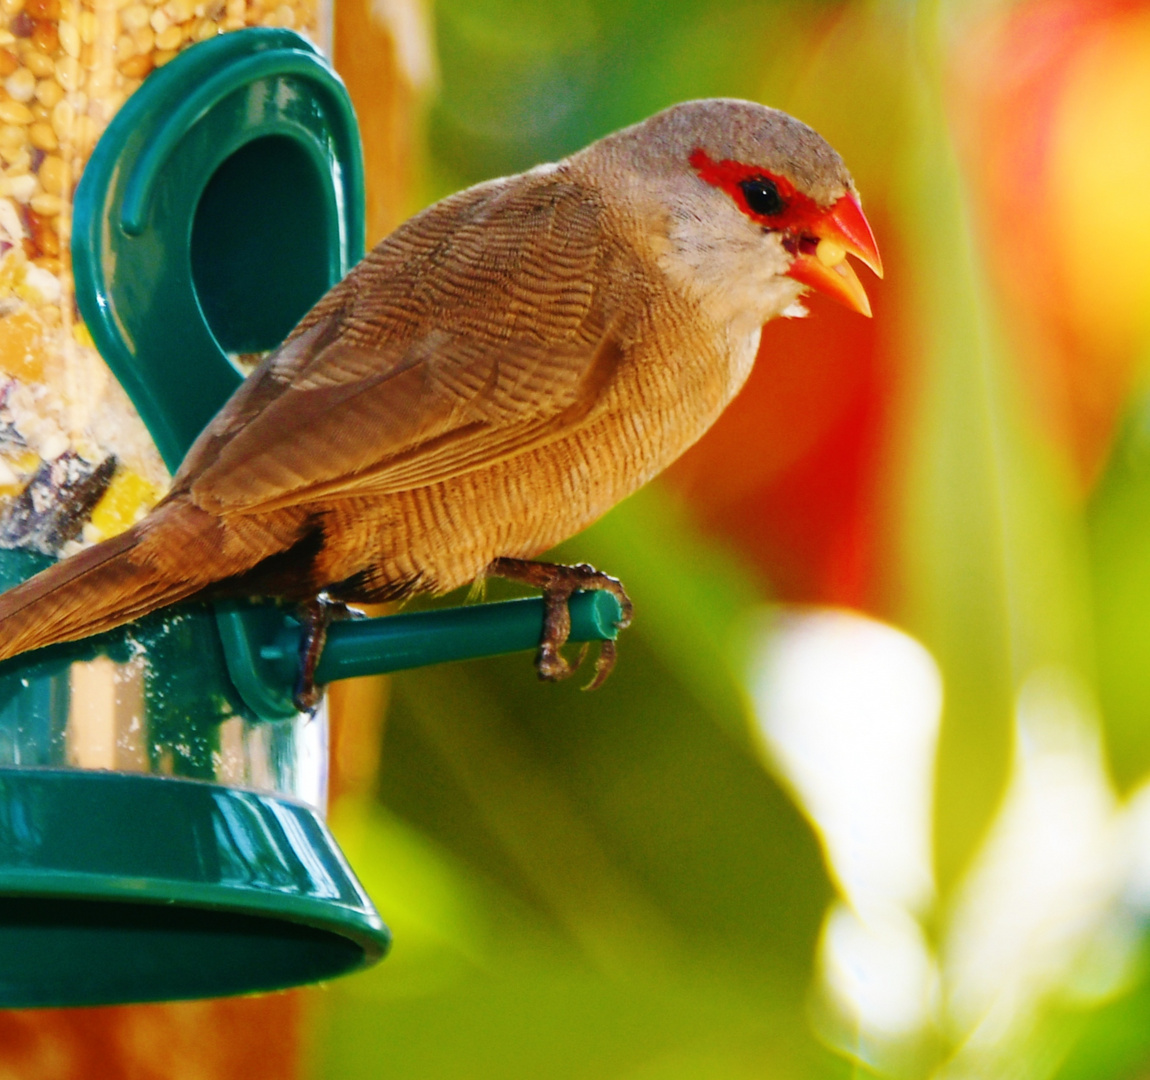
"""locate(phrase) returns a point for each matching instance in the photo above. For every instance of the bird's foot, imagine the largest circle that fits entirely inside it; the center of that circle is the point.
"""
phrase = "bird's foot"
(558, 583)
(316, 615)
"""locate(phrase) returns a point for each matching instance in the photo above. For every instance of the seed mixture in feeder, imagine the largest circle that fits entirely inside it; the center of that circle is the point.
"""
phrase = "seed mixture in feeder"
(66, 67)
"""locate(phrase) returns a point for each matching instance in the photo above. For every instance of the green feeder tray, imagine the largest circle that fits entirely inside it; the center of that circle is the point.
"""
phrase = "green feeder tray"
(119, 887)
(161, 799)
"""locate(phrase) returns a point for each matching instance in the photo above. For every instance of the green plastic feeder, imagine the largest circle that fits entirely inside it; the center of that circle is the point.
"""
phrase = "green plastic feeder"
(161, 799)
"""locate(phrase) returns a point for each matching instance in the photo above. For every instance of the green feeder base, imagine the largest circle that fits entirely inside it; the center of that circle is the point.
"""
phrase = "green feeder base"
(127, 888)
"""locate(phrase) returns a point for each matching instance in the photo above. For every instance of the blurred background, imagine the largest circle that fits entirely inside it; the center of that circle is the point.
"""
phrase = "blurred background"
(867, 793)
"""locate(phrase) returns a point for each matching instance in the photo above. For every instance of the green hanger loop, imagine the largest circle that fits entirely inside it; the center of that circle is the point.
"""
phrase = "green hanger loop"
(224, 199)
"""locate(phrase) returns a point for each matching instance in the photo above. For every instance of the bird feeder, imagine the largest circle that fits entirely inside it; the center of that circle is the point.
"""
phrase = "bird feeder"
(161, 798)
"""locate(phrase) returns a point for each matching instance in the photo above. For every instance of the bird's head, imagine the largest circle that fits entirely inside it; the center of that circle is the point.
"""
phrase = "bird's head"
(752, 207)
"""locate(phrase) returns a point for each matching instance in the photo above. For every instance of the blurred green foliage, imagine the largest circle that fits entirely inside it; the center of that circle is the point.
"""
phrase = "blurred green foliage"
(523, 83)
(1119, 526)
(590, 886)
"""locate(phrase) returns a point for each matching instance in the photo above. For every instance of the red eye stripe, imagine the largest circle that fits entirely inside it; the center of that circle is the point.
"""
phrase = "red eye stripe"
(800, 213)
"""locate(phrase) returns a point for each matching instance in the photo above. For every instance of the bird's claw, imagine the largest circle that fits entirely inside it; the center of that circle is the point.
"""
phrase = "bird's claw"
(604, 664)
(552, 665)
(558, 583)
(307, 696)
(316, 615)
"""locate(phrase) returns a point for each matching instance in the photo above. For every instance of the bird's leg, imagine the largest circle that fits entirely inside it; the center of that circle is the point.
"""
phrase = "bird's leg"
(558, 582)
(316, 615)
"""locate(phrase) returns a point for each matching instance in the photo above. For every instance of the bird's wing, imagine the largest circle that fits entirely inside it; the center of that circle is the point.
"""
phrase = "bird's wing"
(476, 331)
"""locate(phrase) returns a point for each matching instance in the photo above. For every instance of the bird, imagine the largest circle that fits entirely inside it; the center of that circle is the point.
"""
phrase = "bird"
(495, 375)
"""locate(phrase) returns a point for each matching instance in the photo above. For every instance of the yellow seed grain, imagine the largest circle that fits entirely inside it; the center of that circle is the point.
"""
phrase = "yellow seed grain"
(45, 36)
(11, 267)
(85, 135)
(19, 162)
(12, 135)
(164, 56)
(40, 64)
(145, 39)
(107, 30)
(169, 38)
(47, 205)
(134, 16)
(21, 187)
(829, 253)
(125, 47)
(205, 29)
(68, 72)
(179, 11)
(98, 110)
(126, 499)
(159, 20)
(22, 348)
(11, 153)
(69, 38)
(63, 121)
(11, 7)
(135, 67)
(43, 137)
(87, 27)
(285, 15)
(13, 112)
(117, 95)
(39, 111)
(49, 93)
(54, 175)
(21, 85)
(101, 79)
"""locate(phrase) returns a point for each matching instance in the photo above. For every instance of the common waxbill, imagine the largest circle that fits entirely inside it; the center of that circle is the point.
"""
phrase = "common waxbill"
(495, 375)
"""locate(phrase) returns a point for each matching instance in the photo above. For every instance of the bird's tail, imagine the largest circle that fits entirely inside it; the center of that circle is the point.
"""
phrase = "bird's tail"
(97, 589)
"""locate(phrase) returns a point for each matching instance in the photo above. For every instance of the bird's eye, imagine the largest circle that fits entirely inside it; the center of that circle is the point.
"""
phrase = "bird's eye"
(762, 196)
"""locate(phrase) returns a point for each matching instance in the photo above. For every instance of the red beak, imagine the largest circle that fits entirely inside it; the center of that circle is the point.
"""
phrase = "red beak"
(820, 256)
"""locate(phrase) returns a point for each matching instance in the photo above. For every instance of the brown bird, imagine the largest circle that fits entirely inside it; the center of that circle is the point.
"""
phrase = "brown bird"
(496, 374)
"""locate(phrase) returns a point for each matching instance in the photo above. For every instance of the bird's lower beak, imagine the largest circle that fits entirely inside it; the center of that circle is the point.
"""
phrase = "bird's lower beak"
(821, 254)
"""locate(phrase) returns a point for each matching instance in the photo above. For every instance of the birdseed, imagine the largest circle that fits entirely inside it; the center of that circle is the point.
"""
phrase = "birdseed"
(66, 67)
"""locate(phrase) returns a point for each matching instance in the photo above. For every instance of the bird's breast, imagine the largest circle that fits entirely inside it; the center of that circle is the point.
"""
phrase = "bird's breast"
(675, 378)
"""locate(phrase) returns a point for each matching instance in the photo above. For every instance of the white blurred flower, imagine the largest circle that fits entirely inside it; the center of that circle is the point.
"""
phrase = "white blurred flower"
(850, 711)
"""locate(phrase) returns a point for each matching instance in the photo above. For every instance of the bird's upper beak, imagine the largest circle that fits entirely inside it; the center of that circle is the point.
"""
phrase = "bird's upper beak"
(821, 254)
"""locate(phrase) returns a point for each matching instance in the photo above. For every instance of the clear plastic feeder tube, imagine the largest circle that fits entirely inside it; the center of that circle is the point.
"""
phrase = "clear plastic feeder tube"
(77, 464)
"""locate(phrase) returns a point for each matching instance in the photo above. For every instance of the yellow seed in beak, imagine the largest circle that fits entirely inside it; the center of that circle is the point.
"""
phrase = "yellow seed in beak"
(829, 253)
